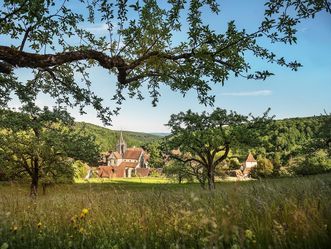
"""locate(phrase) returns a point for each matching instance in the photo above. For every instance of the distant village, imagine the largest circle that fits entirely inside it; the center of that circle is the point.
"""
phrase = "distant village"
(124, 162)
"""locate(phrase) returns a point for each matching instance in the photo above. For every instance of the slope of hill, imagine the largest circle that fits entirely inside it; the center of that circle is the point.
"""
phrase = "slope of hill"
(107, 138)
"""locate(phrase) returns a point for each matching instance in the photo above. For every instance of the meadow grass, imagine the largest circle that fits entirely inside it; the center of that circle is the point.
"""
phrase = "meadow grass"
(155, 213)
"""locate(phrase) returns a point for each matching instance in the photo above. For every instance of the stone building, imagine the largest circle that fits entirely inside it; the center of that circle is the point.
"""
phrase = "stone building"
(124, 161)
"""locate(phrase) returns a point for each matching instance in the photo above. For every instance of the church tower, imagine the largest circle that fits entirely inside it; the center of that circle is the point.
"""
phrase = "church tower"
(121, 145)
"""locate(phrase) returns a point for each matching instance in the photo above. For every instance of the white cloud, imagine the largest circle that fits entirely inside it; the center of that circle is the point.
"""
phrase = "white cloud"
(97, 28)
(252, 93)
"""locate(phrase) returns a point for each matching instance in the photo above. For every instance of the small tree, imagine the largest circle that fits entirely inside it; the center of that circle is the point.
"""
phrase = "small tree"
(37, 143)
(204, 140)
(264, 168)
(155, 155)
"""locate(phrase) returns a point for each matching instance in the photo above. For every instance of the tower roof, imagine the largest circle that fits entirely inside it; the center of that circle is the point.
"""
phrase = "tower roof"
(121, 139)
(250, 158)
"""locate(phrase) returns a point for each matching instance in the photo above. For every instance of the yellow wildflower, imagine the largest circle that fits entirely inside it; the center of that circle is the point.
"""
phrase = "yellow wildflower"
(39, 224)
(85, 211)
(249, 234)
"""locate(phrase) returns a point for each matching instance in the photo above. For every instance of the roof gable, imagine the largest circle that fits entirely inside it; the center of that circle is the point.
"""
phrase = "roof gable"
(250, 158)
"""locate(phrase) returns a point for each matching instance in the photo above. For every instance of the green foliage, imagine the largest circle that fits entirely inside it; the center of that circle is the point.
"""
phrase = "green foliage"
(41, 145)
(178, 171)
(80, 169)
(288, 138)
(264, 168)
(234, 164)
(323, 138)
(141, 47)
(285, 172)
(156, 158)
(205, 140)
(107, 138)
(154, 173)
(277, 163)
(275, 213)
(317, 163)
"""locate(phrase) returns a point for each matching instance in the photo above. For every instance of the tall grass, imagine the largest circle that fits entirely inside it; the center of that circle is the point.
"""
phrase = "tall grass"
(282, 213)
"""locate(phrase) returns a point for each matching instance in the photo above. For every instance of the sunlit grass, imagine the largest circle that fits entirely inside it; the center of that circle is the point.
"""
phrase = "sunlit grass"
(145, 180)
(280, 213)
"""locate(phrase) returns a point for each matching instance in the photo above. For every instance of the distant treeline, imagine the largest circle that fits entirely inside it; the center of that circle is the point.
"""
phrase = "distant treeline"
(107, 138)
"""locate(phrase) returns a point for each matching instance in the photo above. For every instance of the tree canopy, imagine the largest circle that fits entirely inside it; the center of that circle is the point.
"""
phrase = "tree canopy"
(204, 140)
(50, 38)
(41, 145)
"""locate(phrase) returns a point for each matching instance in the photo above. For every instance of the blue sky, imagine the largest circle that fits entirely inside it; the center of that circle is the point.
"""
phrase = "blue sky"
(288, 94)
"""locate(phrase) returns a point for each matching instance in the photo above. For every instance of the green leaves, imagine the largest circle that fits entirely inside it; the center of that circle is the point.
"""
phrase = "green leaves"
(156, 42)
(205, 140)
(43, 141)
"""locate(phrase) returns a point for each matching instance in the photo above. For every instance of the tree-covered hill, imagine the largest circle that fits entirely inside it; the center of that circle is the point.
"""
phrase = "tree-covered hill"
(286, 137)
(292, 136)
(295, 145)
(107, 138)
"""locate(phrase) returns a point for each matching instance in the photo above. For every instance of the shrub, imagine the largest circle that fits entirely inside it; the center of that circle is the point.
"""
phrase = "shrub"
(154, 173)
(264, 168)
(80, 169)
(234, 163)
(285, 172)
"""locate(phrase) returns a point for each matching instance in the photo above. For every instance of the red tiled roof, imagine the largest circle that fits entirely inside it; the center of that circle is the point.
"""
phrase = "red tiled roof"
(250, 158)
(133, 153)
(128, 164)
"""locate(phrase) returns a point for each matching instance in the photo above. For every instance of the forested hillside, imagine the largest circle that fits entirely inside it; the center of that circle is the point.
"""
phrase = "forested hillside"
(295, 145)
(107, 138)
(291, 137)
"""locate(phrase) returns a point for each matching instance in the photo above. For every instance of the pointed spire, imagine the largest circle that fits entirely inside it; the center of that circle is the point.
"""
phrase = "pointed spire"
(121, 138)
(121, 145)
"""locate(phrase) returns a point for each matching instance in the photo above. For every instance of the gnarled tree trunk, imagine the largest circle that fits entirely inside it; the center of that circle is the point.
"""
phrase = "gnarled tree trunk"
(211, 178)
(35, 178)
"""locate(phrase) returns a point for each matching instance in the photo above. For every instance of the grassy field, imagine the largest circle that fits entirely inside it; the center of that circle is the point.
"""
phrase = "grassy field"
(140, 213)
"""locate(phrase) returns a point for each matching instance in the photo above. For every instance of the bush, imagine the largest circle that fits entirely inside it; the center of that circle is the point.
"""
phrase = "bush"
(154, 173)
(314, 164)
(264, 168)
(80, 169)
(234, 164)
(285, 172)
(177, 171)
